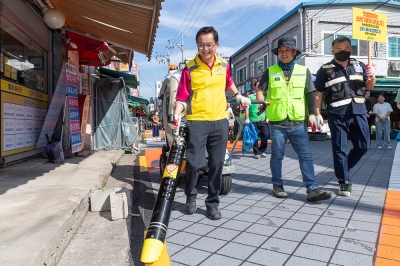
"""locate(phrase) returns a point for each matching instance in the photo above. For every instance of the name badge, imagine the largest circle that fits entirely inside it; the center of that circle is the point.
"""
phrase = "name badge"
(277, 79)
(358, 68)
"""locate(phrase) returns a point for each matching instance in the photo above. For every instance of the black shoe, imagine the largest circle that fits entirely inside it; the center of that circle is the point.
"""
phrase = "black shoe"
(214, 213)
(318, 194)
(279, 192)
(191, 206)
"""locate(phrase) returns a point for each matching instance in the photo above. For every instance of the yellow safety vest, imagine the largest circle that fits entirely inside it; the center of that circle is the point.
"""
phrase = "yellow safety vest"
(286, 100)
(207, 100)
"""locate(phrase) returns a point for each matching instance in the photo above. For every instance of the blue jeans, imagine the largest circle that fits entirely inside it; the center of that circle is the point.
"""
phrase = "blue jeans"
(386, 134)
(298, 137)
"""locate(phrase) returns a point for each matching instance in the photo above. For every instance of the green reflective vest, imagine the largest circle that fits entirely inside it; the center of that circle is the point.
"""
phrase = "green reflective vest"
(286, 100)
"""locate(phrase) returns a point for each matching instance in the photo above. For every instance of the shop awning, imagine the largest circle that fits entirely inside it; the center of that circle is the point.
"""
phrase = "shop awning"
(129, 79)
(133, 104)
(387, 85)
(128, 24)
(138, 100)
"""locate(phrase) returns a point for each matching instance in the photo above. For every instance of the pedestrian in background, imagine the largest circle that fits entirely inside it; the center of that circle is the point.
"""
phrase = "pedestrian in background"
(382, 112)
(289, 88)
(156, 126)
(397, 100)
(344, 81)
(369, 113)
(201, 94)
(260, 124)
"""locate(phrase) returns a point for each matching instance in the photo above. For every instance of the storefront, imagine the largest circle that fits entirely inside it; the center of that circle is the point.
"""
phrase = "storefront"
(24, 97)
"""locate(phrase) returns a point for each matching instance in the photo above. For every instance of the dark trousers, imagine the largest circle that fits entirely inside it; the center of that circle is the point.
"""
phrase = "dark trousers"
(156, 131)
(356, 126)
(263, 129)
(213, 136)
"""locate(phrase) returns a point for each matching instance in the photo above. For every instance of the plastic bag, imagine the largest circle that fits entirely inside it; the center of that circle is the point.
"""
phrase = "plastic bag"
(397, 137)
(249, 137)
(54, 152)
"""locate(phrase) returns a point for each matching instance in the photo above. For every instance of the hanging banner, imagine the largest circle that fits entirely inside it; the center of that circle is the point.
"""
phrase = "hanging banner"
(56, 104)
(73, 107)
(369, 25)
(84, 104)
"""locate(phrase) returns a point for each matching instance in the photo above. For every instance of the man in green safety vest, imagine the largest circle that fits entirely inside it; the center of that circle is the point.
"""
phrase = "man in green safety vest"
(289, 88)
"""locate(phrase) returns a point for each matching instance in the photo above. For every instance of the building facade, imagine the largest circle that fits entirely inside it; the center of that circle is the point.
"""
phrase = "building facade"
(315, 25)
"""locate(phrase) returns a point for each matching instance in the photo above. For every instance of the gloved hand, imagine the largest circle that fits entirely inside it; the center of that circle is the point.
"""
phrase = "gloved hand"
(316, 122)
(370, 70)
(243, 100)
(177, 120)
(313, 123)
(320, 121)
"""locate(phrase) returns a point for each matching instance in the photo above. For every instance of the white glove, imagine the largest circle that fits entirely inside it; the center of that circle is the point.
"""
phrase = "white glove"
(313, 123)
(320, 121)
(316, 122)
(243, 100)
(370, 70)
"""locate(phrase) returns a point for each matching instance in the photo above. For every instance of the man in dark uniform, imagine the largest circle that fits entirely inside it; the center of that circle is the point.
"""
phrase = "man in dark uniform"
(344, 81)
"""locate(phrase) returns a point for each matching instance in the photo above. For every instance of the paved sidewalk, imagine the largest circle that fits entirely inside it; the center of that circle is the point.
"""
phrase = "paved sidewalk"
(259, 229)
(42, 205)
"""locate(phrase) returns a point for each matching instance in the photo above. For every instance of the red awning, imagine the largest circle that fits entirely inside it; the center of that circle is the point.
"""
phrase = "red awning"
(93, 52)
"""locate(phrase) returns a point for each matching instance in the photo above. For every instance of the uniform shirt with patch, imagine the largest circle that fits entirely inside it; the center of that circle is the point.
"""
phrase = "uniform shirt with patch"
(349, 109)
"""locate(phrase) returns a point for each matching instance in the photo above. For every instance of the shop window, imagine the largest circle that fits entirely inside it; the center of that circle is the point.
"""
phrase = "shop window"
(241, 75)
(359, 47)
(22, 60)
(260, 65)
(393, 47)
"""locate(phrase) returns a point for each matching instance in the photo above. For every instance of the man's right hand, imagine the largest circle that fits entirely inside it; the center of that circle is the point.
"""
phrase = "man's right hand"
(316, 122)
(176, 122)
(243, 100)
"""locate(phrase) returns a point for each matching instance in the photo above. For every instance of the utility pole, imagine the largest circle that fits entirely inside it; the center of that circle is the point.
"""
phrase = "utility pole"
(163, 58)
(179, 45)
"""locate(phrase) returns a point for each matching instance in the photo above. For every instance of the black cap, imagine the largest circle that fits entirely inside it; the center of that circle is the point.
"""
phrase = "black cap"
(288, 42)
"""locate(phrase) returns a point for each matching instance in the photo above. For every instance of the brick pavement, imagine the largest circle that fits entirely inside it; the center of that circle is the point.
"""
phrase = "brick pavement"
(259, 229)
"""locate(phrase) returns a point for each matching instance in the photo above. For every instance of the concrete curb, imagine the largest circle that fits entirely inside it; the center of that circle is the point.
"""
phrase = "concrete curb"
(45, 204)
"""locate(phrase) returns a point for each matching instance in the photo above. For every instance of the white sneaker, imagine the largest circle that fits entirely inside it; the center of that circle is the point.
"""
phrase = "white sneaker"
(257, 156)
(379, 148)
(264, 155)
(389, 147)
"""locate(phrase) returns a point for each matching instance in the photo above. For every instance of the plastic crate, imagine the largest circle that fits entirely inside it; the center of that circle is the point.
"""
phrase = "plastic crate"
(317, 136)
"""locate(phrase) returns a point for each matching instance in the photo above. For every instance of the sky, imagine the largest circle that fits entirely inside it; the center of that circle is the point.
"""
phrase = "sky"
(236, 21)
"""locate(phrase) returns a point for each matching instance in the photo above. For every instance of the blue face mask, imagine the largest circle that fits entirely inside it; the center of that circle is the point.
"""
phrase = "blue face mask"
(287, 66)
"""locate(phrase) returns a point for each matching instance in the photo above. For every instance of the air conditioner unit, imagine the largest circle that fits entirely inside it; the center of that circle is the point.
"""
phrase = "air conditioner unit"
(396, 66)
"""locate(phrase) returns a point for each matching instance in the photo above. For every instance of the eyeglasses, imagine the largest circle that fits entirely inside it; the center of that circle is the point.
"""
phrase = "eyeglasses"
(203, 46)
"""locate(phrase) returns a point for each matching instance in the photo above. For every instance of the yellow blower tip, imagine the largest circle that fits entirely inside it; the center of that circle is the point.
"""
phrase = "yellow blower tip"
(152, 249)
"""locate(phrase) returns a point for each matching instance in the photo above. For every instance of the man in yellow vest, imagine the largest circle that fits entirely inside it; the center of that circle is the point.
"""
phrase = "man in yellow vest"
(289, 88)
(201, 94)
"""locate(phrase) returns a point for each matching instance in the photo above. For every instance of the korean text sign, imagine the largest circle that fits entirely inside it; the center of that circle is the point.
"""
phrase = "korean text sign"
(369, 25)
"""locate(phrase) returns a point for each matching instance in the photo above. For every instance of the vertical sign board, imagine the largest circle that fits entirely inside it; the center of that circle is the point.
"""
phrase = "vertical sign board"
(369, 25)
(22, 116)
(73, 107)
(56, 104)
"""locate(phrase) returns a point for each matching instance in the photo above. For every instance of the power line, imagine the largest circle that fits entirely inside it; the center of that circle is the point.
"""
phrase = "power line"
(193, 16)
(198, 17)
(173, 38)
(244, 21)
(345, 26)
(189, 21)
